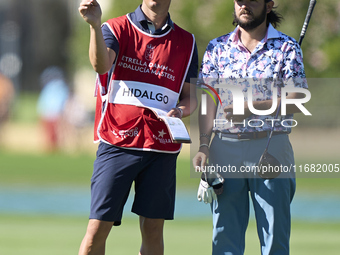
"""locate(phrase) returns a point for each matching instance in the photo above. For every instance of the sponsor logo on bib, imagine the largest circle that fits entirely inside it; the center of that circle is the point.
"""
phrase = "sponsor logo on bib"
(149, 53)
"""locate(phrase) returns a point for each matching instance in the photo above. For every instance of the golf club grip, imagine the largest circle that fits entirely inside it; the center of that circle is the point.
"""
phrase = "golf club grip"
(307, 19)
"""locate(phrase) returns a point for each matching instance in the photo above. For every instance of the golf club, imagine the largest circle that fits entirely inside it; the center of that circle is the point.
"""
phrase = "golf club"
(266, 158)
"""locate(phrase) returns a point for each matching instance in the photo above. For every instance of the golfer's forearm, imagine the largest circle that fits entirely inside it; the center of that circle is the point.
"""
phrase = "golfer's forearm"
(188, 99)
(292, 108)
(188, 105)
(267, 104)
(205, 128)
(98, 52)
(206, 123)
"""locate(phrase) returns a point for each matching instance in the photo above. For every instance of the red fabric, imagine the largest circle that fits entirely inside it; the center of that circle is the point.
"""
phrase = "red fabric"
(162, 61)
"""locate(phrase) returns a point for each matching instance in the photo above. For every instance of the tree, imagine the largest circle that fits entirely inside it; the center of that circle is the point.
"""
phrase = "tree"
(208, 19)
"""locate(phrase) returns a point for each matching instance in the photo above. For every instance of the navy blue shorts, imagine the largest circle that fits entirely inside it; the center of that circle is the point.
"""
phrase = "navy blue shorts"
(115, 169)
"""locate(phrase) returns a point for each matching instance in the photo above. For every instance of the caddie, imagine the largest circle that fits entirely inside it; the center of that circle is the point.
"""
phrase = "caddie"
(143, 61)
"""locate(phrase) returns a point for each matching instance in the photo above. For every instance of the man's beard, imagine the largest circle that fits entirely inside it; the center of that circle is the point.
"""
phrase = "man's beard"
(253, 23)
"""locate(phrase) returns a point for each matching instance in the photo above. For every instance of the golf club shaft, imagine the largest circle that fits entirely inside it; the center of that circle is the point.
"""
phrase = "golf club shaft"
(302, 35)
(307, 19)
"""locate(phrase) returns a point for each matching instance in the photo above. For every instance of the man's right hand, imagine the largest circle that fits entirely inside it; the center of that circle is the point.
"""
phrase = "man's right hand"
(91, 12)
(205, 192)
(200, 158)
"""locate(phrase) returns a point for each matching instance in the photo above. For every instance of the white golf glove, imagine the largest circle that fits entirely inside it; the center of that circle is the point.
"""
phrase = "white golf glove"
(210, 186)
(206, 192)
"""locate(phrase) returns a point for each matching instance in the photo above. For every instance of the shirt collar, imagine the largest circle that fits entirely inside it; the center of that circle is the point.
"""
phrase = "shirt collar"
(271, 34)
(141, 18)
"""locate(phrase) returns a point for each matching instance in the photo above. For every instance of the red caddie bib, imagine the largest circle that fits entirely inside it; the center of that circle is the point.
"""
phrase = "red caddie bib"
(149, 72)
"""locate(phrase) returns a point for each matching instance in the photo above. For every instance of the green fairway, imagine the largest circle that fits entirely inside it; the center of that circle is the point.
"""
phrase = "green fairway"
(45, 169)
(59, 235)
(315, 238)
(52, 235)
(62, 168)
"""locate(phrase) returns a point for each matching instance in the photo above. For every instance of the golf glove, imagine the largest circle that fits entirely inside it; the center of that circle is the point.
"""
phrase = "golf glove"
(211, 185)
(206, 192)
(216, 181)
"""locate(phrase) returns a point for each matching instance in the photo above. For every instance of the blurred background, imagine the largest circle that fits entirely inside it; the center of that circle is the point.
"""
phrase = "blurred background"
(46, 127)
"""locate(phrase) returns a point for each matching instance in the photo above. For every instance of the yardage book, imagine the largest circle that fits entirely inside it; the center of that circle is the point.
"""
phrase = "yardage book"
(176, 127)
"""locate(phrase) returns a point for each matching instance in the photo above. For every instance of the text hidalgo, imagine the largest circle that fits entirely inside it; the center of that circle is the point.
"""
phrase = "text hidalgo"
(145, 94)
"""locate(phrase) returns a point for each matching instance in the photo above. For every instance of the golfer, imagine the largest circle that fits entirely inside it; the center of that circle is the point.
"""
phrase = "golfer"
(252, 56)
(143, 60)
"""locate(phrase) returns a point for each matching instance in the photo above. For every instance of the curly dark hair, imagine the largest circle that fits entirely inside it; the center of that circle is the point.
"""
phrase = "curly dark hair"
(274, 18)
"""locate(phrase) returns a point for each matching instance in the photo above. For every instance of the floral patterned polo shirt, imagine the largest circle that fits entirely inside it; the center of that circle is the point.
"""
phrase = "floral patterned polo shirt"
(276, 62)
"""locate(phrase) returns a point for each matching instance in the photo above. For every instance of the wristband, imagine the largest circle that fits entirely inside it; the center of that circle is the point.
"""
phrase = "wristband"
(204, 144)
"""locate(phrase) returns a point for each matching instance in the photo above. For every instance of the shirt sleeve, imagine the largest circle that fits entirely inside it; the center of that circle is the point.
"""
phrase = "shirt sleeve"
(209, 69)
(110, 39)
(293, 66)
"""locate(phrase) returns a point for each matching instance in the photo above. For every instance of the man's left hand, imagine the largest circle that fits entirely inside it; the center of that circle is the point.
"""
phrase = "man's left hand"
(176, 112)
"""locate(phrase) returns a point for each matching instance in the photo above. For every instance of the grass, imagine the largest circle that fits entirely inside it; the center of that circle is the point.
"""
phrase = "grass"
(316, 238)
(45, 169)
(55, 236)
(61, 168)
(40, 235)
